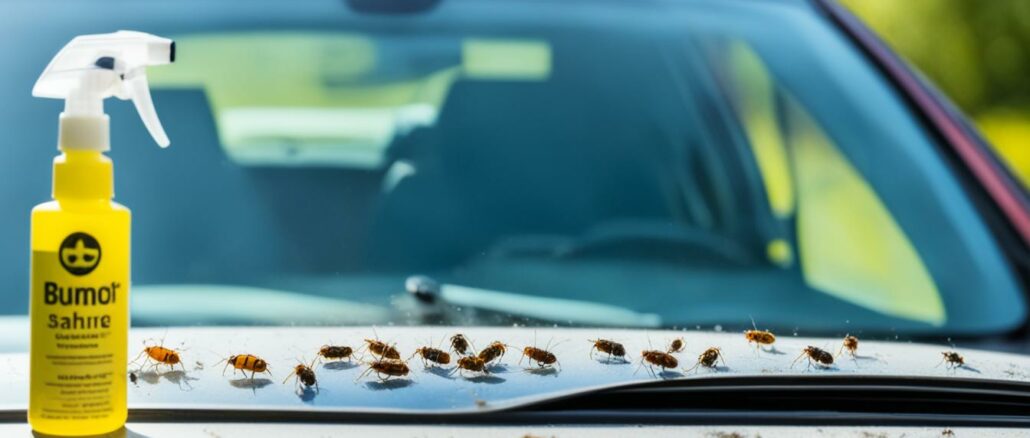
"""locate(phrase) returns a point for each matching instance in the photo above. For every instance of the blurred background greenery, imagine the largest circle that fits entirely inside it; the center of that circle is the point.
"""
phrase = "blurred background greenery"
(976, 51)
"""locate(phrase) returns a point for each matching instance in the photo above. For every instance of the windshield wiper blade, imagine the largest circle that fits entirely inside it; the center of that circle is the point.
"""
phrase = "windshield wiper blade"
(175, 304)
(546, 308)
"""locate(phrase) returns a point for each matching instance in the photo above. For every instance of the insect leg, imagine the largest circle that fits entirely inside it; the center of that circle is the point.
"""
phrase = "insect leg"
(693, 367)
(797, 359)
(361, 349)
(364, 374)
(141, 353)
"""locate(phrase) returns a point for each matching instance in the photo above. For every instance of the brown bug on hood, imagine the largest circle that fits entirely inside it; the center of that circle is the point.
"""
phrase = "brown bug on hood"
(335, 352)
(709, 358)
(543, 358)
(820, 357)
(432, 355)
(382, 349)
(160, 355)
(494, 351)
(952, 359)
(850, 345)
(247, 362)
(675, 346)
(471, 363)
(606, 346)
(759, 337)
(460, 345)
(304, 374)
(653, 358)
(386, 367)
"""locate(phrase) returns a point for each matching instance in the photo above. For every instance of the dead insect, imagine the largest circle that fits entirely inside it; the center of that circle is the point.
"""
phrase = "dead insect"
(460, 345)
(335, 352)
(382, 349)
(850, 344)
(709, 358)
(471, 363)
(947, 432)
(247, 362)
(432, 355)
(133, 378)
(494, 351)
(606, 346)
(675, 346)
(160, 355)
(952, 359)
(304, 374)
(542, 357)
(759, 337)
(386, 367)
(653, 358)
(819, 356)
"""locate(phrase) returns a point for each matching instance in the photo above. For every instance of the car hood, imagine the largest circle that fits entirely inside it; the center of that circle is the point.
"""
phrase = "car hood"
(204, 386)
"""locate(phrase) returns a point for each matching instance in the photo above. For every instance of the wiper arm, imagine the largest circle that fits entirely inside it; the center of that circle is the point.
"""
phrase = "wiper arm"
(176, 304)
(546, 308)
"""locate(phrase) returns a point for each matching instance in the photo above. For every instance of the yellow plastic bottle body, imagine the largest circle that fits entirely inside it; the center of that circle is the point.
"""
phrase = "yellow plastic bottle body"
(79, 304)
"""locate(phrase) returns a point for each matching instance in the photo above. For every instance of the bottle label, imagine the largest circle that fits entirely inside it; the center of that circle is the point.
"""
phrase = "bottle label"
(79, 312)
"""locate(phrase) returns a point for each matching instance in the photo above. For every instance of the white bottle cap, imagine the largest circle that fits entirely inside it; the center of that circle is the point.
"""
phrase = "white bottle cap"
(92, 68)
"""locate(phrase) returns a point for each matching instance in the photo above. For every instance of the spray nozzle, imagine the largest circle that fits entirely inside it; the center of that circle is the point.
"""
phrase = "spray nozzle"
(92, 68)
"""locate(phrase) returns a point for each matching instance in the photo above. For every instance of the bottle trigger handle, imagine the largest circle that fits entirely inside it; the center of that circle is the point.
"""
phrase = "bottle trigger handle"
(139, 91)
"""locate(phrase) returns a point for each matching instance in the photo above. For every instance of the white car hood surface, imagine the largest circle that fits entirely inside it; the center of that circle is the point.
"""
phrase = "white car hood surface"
(203, 350)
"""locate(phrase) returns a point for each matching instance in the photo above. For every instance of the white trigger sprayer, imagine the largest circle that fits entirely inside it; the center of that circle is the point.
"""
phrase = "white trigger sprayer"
(92, 68)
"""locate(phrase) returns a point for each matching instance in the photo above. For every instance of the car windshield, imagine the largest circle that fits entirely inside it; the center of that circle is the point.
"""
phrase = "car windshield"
(679, 164)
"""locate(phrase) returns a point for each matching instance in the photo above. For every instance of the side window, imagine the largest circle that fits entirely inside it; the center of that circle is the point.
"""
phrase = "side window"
(848, 244)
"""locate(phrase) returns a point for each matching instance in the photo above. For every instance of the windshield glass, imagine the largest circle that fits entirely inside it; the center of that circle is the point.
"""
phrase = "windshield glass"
(684, 164)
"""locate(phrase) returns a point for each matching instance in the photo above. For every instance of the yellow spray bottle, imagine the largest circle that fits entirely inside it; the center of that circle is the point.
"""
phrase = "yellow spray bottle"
(79, 304)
